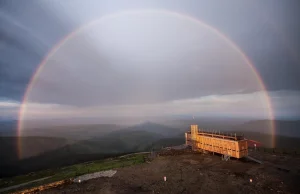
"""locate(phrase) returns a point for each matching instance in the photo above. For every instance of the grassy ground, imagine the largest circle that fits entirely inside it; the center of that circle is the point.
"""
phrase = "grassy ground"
(72, 171)
(7, 182)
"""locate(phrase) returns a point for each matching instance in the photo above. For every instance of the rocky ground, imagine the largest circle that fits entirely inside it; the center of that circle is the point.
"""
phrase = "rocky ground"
(197, 173)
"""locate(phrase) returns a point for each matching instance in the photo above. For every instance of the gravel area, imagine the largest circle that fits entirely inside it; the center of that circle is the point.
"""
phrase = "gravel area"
(194, 173)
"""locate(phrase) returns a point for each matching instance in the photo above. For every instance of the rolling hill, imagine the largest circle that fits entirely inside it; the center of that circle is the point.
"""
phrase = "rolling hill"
(134, 139)
(76, 132)
(163, 130)
(289, 128)
(82, 151)
(54, 152)
(31, 146)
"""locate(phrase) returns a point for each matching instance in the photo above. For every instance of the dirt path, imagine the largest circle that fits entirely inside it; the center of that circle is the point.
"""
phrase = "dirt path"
(23, 184)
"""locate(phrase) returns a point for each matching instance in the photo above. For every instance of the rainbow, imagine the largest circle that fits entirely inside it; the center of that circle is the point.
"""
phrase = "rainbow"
(57, 46)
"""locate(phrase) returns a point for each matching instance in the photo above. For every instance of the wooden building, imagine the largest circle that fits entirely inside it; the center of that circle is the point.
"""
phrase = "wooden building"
(227, 145)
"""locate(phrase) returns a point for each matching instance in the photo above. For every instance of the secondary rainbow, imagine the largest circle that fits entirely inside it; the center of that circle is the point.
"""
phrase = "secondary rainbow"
(22, 110)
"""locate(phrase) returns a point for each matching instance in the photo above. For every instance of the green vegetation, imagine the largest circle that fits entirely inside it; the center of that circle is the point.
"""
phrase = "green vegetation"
(85, 168)
(7, 182)
(72, 171)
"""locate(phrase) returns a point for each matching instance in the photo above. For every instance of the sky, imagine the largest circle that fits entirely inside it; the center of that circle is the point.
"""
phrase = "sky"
(149, 58)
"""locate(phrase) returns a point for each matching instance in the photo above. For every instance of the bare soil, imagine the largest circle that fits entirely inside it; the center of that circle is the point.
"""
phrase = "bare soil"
(198, 173)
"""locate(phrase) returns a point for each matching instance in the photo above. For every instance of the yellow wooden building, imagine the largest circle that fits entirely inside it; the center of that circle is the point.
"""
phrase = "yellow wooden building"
(229, 145)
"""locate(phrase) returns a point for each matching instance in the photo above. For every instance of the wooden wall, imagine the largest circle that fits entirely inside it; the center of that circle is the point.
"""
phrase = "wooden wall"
(234, 148)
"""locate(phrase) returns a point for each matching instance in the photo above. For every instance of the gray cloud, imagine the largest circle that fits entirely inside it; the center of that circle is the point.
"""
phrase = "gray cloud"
(117, 64)
(21, 48)
(285, 104)
(138, 58)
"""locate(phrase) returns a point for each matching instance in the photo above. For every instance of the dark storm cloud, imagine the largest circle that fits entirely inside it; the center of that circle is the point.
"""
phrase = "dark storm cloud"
(25, 39)
(267, 31)
(273, 46)
(18, 59)
(13, 80)
(271, 40)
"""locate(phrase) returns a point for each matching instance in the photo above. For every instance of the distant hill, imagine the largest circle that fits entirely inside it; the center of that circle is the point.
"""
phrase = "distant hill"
(31, 146)
(286, 142)
(128, 140)
(167, 142)
(142, 137)
(155, 128)
(203, 123)
(289, 128)
(76, 132)
(115, 142)
(111, 144)
(138, 138)
(39, 140)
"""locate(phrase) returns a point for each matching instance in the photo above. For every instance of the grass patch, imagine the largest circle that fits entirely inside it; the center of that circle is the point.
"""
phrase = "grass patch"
(7, 182)
(72, 171)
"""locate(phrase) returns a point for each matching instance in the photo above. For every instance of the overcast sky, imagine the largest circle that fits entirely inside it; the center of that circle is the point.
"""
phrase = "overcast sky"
(146, 58)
